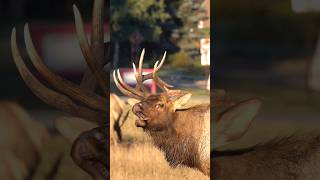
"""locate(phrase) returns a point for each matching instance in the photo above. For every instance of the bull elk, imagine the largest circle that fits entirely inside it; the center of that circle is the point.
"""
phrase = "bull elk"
(293, 157)
(89, 150)
(182, 133)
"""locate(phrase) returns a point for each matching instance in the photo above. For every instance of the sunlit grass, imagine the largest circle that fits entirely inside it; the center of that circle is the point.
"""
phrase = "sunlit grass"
(138, 158)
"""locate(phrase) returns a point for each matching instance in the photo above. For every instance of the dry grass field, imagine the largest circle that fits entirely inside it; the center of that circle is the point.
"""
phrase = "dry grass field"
(137, 158)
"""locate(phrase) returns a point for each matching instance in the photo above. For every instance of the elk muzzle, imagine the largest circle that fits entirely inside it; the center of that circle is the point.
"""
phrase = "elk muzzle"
(142, 120)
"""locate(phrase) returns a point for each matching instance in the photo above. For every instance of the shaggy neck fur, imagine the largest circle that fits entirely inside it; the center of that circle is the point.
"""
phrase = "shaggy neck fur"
(181, 141)
(289, 158)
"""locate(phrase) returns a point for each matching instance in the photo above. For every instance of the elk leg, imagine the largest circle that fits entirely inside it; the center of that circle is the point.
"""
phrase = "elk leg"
(91, 153)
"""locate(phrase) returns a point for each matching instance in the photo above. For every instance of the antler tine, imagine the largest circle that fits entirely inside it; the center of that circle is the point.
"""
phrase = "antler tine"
(96, 67)
(139, 74)
(140, 90)
(67, 87)
(161, 62)
(133, 90)
(122, 87)
(159, 82)
(47, 95)
(141, 63)
(139, 85)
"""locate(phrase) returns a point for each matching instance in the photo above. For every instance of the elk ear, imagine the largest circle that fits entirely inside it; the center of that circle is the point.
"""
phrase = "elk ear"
(132, 101)
(178, 98)
(235, 121)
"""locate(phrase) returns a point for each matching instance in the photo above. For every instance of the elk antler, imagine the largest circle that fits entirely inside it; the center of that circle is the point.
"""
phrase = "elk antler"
(91, 57)
(65, 95)
(140, 92)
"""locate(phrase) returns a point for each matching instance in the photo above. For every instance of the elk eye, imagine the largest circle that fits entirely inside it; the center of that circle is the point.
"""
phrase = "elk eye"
(160, 105)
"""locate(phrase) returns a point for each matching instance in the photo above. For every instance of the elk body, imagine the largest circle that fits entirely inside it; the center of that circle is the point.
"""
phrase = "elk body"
(181, 133)
(21, 142)
(296, 157)
(118, 115)
(89, 150)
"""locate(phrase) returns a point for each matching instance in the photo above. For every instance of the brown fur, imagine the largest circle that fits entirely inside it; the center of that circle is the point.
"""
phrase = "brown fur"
(179, 134)
(21, 141)
(289, 158)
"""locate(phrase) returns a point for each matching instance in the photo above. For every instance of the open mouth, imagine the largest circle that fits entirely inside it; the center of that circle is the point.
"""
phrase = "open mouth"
(141, 116)
(142, 120)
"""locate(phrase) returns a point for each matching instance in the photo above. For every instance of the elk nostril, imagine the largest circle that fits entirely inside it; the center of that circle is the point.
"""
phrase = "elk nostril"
(136, 108)
(140, 105)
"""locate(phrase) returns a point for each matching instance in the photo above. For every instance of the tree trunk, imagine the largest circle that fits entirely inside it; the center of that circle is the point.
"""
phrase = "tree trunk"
(116, 55)
(314, 74)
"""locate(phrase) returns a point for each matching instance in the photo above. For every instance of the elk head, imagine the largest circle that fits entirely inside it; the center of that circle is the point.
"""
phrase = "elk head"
(154, 111)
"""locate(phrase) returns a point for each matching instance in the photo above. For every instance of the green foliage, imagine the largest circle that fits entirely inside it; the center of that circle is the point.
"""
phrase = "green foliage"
(174, 21)
(188, 14)
(182, 60)
(143, 16)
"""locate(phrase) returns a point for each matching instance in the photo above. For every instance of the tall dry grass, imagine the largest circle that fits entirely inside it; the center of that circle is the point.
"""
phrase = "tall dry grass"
(137, 158)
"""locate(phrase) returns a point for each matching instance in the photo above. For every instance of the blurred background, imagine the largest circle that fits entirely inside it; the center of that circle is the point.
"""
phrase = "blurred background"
(270, 50)
(181, 27)
(52, 29)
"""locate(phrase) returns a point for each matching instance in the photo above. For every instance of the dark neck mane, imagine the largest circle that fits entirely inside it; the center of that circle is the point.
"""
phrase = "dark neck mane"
(177, 149)
(285, 158)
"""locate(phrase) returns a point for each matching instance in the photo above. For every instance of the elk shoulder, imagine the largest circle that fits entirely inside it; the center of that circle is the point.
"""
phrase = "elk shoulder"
(187, 142)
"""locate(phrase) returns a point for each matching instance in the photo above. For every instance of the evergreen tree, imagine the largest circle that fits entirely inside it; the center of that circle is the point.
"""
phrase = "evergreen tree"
(187, 14)
(135, 16)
